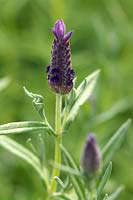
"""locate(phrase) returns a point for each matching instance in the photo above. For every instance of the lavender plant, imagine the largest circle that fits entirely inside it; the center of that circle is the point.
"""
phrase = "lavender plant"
(85, 181)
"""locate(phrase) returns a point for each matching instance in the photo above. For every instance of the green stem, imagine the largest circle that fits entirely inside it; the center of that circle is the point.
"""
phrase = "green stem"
(57, 158)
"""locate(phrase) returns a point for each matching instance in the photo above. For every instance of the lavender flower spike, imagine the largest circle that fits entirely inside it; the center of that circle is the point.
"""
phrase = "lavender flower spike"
(60, 73)
(91, 158)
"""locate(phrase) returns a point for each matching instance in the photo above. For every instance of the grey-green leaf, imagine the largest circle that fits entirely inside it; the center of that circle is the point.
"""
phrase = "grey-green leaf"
(61, 196)
(115, 142)
(77, 185)
(119, 107)
(104, 179)
(76, 180)
(20, 151)
(59, 181)
(84, 91)
(37, 101)
(67, 169)
(69, 157)
(22, 127)
(71, 97)
(116, 194)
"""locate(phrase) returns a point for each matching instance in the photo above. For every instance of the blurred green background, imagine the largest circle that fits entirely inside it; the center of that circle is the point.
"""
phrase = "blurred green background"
(102, 38)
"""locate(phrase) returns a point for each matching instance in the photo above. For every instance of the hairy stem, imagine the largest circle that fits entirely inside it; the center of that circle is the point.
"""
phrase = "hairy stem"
(57, 158)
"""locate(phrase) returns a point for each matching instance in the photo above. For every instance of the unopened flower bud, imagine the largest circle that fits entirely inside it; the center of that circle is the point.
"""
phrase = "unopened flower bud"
(60, 73)
(91, 157)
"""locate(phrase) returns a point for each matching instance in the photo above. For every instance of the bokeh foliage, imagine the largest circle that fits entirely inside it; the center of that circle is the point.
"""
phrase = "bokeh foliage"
(102, 38)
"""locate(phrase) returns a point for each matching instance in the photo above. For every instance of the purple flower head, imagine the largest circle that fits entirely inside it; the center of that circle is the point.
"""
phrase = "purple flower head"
(60, 73)
(59, 29)
(91, 157)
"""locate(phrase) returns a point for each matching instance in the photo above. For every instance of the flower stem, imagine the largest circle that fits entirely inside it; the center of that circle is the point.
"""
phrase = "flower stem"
(57, 157)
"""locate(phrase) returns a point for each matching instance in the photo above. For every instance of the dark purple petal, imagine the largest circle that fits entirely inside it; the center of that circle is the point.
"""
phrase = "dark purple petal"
(54, 70)
(68, 63)
(54, 79)
(47, 68)
(70, 84)
(72, 73)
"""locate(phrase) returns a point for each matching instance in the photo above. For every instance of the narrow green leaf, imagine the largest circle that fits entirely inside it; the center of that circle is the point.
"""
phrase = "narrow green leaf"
(116, 194)
(66, 169)
(22, 127)
(37, 101)
(36, 97)
(77, 184)
(41, 149)
(31, 146)
(115, 142)
(84, 91)
(69, 157)
(62, 196)
(69, 101)
(76, 181)
(119, 107)
(23, 153)
(59, 181)
(104, 179)
(67, 183)
(71, 97)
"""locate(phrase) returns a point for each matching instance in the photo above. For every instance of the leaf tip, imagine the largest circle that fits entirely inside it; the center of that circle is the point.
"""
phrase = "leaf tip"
(110, 164)
(129, 121)
(25, 90)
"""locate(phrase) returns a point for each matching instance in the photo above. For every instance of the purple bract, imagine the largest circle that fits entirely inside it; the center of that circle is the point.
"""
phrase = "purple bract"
(60, 72)
(91, 157)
